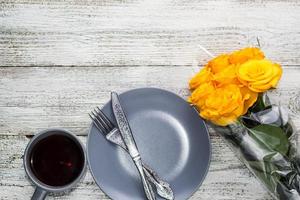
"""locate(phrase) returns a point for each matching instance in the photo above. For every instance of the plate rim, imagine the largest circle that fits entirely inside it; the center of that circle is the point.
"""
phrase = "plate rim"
(205, 126)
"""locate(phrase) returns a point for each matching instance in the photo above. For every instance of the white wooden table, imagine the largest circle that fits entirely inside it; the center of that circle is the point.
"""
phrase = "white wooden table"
(60, 58)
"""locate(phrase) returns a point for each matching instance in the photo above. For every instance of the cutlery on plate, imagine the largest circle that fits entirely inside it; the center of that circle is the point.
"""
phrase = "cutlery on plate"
(113, 135)
(130, 143)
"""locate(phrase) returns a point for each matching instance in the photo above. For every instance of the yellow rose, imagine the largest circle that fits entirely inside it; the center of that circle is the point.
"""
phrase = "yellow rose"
(222, 71)
(243, 55)
(219, 63)
(249, 98)
(199, 95)
(224, 105)
(259, 75)
(229, 84)
(201, 77)
(226, 76)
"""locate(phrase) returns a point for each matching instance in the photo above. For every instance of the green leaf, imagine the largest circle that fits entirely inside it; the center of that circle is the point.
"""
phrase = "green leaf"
(259, 104)
(272, 137)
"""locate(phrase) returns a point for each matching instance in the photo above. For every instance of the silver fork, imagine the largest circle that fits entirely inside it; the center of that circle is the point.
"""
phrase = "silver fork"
(112, 134)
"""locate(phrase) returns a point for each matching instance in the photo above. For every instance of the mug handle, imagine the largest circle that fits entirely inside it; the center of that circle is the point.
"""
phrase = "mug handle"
(39, 194)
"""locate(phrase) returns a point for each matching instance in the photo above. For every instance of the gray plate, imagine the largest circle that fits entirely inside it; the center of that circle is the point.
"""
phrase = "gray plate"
(171, 138)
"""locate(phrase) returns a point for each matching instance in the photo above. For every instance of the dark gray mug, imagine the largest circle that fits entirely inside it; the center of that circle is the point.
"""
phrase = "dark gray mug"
(43, 189)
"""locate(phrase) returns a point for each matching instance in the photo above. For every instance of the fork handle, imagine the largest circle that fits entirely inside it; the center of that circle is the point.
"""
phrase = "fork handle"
(147, 186)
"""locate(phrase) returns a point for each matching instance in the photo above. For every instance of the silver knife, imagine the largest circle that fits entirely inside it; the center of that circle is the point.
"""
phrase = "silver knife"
(130, 142)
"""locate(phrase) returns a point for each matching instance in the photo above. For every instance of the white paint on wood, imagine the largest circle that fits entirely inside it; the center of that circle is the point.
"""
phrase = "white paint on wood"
(39, 97)
(227, 177)
(144, 32)
(35, 98)
(137, 43)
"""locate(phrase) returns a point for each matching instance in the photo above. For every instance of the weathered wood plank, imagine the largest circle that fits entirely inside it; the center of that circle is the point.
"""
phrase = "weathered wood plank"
(39, 97)
(73, 32)
(162, 35)
(227, 178)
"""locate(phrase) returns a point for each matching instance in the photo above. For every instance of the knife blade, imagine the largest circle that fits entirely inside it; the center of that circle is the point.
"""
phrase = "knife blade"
(129, 141)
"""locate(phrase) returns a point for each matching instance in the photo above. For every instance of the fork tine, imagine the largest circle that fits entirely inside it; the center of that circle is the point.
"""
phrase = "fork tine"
(97, 123)
(103, 123)
(105, 118)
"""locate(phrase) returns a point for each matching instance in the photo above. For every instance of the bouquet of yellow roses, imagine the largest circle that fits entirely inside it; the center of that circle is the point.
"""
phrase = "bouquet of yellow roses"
(229, 91)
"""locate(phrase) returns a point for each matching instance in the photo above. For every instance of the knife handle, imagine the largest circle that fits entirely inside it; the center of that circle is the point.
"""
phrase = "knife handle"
(147, 187)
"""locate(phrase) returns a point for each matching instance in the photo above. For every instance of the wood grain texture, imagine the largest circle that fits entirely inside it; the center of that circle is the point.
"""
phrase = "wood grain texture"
(39, 97)
(35, 98)
(148, 32)
(61, 58)
(227, 178)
